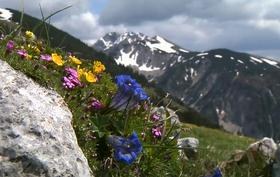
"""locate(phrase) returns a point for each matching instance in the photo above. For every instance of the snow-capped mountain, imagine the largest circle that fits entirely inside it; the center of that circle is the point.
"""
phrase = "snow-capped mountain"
(238, 91)
(149, 55)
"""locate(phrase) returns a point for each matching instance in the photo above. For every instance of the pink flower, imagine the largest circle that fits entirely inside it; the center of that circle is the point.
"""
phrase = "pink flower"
(67, 83)
(156, 131)
(72, 72)
(10, 46)
(22, 53)
(96, 104)
(155, 117)
(46, 57)
(71, 80)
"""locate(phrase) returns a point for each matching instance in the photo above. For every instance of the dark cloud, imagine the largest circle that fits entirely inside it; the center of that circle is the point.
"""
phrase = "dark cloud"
(133, 12)
(137, 11)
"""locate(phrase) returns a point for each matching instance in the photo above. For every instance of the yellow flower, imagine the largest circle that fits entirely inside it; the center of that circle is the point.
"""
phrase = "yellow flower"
(29, 57)
(29, 35)
(80, 72)
(90, 77)
(37, 50)
(98, 67)
(75, 60)
(57, 59)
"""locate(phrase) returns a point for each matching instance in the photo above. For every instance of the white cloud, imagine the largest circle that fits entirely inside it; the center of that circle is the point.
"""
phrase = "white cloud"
(32, 7)
(86, 27)
(243, 25)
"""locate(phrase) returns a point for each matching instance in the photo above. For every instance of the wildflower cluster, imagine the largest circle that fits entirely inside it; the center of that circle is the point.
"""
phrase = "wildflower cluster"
(32, 49)
(110, 114)
(75, 76)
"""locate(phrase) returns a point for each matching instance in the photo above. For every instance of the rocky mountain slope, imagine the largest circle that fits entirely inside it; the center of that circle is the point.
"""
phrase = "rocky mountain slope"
(148, 55)
(237, 91)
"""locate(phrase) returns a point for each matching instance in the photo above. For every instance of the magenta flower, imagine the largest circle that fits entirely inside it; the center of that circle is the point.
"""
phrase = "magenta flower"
(156, 131)
(67, 83)
(96, 104)
(22, 53)
(72, 72)
(155, 117)
(10, 46)
(71, 80)
(45, 57)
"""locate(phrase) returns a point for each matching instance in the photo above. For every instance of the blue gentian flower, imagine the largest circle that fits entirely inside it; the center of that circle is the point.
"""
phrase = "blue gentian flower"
(126, 149)
(129, 93)
(217, 173)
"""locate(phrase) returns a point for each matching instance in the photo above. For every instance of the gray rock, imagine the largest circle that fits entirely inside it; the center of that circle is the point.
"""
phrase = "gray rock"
(266, 147)
(36, 136)
(276, 166)
(190, 144)
(173, 117)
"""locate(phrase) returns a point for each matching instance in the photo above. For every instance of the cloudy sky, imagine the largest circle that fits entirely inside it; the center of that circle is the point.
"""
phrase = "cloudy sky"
(243, 25)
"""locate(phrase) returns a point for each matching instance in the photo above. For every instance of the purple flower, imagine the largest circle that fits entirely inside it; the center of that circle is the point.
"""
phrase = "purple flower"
(155, 117)
(67, 83)
(126, 149)
(156, 131)
(22, 53)
(72, 72)
(10, 46)
(46, 57)
(96, 104)
(71, 80)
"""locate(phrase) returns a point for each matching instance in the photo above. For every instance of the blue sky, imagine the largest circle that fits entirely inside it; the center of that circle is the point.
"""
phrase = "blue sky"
(251, 26)
(98, 5)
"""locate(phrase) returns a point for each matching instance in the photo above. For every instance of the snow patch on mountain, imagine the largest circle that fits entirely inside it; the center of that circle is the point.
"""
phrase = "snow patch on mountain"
(271, 62)
(201, 54)
(127, 59)
(218, 56)
(107, 44)
(146, 68)
(183, 50)
(161, 44)
(240, 61)
(256, 59)
(5, 14)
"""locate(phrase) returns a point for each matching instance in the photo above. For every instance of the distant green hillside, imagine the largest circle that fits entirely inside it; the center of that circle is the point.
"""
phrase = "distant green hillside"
(61, 39)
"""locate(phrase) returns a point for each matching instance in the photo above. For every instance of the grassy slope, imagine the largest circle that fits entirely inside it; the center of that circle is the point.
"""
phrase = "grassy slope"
(59, 38)
(215, 146)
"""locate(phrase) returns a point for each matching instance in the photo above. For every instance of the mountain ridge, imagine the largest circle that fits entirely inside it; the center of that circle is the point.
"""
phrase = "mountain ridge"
(212, 82)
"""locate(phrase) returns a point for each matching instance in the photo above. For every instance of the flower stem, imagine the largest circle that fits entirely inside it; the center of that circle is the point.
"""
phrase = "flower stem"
(126, 117)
